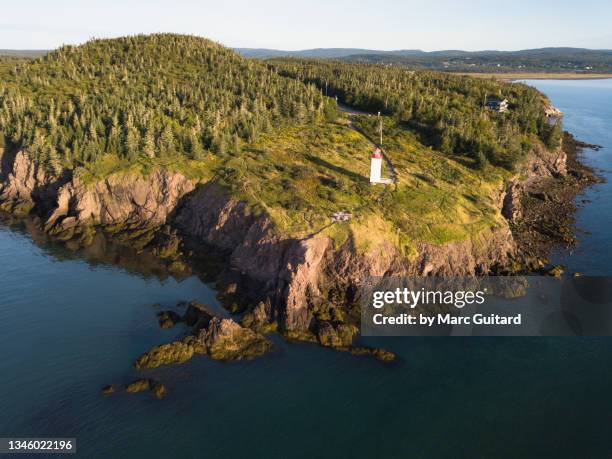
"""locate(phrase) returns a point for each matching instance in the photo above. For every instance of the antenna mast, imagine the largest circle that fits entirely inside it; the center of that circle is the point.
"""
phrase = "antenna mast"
(380, 129)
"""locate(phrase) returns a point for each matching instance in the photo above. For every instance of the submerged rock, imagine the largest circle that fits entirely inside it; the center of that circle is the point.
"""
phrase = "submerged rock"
(381, 354)
(159, 390)
(108, 390)
(168, 319)
(555, 271)
(140, 385)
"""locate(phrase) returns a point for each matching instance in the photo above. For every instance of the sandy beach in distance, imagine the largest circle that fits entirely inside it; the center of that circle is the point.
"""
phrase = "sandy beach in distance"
(540, 76)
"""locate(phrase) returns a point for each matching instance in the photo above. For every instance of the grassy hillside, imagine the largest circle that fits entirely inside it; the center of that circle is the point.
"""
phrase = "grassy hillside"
(268, 135)
(435, 199)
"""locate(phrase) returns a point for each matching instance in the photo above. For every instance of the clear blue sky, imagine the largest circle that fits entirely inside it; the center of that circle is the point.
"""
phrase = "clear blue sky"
(378, 24)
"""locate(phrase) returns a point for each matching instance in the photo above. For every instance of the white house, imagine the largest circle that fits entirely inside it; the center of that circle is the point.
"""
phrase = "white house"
(498, 105)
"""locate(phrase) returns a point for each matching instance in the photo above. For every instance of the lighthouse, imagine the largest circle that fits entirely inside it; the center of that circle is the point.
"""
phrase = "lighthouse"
(376, 166)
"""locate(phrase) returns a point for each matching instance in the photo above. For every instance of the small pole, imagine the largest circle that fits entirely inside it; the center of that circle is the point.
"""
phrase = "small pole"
(380, 128)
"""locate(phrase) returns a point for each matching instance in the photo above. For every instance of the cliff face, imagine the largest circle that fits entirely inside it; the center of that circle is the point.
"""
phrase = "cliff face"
(23, 183)
(541, 165)
(290, 275)
(117, 200)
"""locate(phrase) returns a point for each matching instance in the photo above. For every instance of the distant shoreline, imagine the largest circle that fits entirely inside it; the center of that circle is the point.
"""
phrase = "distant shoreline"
(538, 76)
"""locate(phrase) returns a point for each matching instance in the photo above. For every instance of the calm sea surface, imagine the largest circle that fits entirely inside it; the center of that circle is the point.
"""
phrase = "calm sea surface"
(71, 323)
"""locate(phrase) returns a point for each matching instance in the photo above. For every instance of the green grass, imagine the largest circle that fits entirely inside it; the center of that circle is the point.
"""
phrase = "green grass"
(301, 175)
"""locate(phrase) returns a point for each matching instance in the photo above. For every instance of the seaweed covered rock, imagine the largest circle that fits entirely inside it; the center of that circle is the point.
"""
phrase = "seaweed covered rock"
(381, 354)
(108, 390)
(555, 271)
(166, 354)
(158, 390)
(258, 318)
(327, 335)
(140, 385)
(168, 319)
(225, 339)
(339, 336)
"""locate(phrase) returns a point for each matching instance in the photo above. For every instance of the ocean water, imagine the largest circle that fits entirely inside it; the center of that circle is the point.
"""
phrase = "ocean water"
(72, 322)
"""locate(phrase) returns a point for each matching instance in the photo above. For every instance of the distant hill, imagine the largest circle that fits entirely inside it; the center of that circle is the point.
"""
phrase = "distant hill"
(29, 53)
(322, 53)
(579, 60)
(348, 52)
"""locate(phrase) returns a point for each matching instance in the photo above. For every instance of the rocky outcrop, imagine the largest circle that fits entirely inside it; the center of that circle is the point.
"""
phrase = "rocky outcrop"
(176, 352)
(168, 319)
(543, 163)
(157, 388)
(23, 183)
(140, 385)
(511, 204)
(144, 201)
(225, 339)
(220, 339)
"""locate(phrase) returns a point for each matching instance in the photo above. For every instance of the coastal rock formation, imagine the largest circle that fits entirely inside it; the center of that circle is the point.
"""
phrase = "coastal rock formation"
(166, 354)
(119, 200)
(225, 339)
(289, 279)
(108, 390)
(511, 206)
(157, 388)
(23, 183)
(140, 385)
(220, 339)
(168, 319)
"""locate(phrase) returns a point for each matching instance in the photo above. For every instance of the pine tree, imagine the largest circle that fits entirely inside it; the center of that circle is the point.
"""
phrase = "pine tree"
(148, 144)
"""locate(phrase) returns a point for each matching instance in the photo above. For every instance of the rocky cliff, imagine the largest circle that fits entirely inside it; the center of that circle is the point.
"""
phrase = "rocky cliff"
(292, 280)
(24, 183)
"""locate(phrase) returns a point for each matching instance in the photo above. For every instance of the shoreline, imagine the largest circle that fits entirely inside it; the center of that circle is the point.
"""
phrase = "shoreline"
(548, 208)
(540, 219)
(510, 76)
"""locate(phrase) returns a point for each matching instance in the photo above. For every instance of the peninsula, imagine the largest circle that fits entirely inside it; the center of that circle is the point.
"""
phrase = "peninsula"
(181, 147)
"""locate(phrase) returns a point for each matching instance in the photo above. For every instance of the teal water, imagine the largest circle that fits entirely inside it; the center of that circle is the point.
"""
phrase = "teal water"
(73, 322)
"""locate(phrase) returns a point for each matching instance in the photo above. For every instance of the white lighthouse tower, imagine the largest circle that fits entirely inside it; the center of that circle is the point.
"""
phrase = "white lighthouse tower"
(376, 166)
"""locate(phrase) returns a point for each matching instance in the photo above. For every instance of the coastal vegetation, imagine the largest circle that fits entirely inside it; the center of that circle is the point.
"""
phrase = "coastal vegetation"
(270, 133)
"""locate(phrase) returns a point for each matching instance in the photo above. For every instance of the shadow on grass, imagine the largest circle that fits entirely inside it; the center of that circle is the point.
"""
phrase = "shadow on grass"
(340, 170)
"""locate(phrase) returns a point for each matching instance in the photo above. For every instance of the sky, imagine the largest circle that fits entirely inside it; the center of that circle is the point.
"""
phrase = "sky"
(291, 25)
